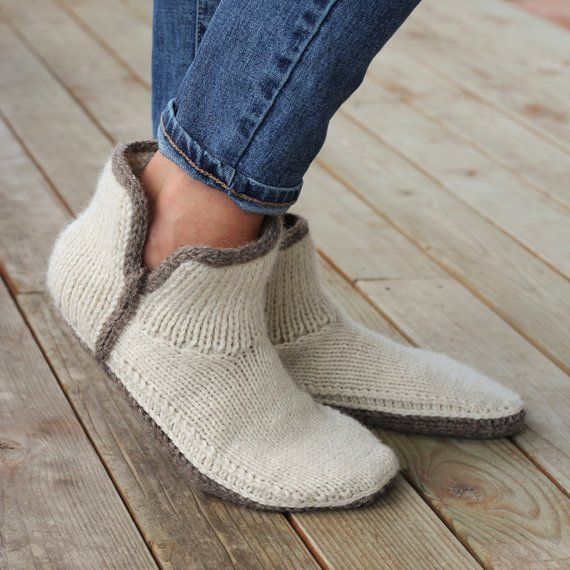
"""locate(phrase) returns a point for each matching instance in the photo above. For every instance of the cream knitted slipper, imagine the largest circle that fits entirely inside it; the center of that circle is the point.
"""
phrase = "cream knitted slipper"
(188, 343)
(367, 375)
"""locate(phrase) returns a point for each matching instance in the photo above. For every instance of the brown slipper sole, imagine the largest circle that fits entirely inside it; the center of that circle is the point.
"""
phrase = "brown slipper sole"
(466, 428)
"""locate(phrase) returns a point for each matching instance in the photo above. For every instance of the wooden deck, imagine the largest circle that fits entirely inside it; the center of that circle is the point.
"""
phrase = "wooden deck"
(440, 205)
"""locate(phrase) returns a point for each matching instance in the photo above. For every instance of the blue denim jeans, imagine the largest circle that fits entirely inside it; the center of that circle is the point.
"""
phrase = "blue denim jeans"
(243, 90)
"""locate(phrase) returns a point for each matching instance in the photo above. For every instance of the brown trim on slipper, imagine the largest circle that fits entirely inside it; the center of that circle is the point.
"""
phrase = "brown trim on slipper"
(127, 161)
(295, 228)
(126, 172)
(217, 257)
(441, 426)
(120, 316)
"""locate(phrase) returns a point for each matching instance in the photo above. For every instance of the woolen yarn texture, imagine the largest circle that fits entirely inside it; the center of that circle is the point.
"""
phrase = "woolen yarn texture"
(188, 343)
(374, 378)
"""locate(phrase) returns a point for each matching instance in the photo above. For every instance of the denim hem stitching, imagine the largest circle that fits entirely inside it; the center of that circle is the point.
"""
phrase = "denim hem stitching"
(214, 178)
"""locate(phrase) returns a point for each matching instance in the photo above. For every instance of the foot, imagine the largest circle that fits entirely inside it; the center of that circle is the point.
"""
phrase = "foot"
(187, 212)
(188, 343)
(367, 375)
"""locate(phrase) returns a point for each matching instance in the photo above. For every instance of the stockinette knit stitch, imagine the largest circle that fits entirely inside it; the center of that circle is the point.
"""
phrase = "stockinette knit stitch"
(367, 375)
(188, 343)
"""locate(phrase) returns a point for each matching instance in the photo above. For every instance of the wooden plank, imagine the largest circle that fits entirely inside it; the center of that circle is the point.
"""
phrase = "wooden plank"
(506, 511)
(513, 282)
(528, 42)
(105, 88)
(376, 250)
(397, 532)
(64, 142)
(557, 11)
(143, 8)
(494, 192)
(499, 504)
(127, 35)
(183, 527)
(441, 315)
(503, 140)
(25, 198)
(497, 61)
(59, 508)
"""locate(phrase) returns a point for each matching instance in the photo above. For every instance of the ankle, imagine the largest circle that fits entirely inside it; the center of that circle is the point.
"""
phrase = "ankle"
(187, 212)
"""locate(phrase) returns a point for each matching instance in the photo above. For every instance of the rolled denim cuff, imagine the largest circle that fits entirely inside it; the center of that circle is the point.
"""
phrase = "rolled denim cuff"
(175, 144)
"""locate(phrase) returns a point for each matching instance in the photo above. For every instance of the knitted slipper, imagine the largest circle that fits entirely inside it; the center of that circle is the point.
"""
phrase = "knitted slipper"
(373, 378)
(188, 343)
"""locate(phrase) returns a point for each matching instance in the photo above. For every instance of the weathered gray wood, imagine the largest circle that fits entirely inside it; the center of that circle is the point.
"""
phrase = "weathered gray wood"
(507, 512)
(503, 140)
(498, 52)
(183, 527)
(497, 194)
(397, 532)
(105, 88)
(25, 199)
(62, 139)
(518, 286)
(127, 35)
(142, 8)
(59, 508)
(376, 250)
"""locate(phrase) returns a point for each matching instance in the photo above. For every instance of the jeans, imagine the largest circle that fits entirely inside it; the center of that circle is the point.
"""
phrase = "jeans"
(243, 90)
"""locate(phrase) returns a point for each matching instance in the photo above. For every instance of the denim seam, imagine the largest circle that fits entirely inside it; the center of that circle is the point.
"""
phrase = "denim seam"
(285, 78)
(214, 178)
(198, 34)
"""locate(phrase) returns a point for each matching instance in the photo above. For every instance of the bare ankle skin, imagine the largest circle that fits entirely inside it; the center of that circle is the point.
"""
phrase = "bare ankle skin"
(187, 212)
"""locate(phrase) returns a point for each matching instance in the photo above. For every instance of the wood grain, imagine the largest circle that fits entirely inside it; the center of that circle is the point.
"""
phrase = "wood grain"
(59, 508)
(508, 513)
(397, 532)
(25, 198)
(60, 136)
(376, 250)
(106, 89)
(500, 196)
(518, 286)
(505, 56)
(479, 124)
(127, 35)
